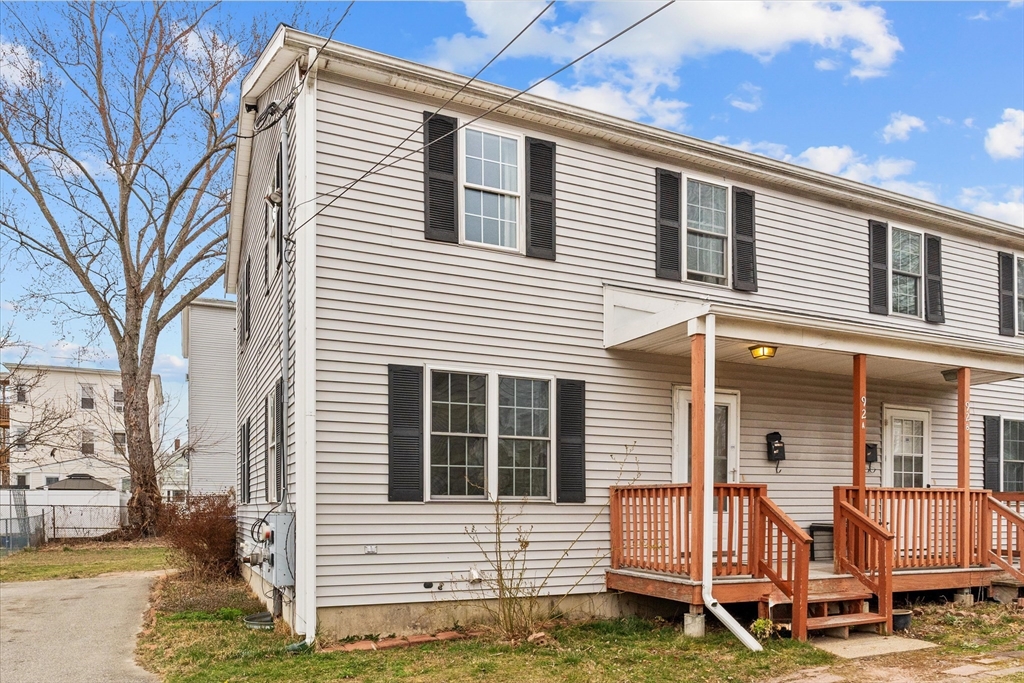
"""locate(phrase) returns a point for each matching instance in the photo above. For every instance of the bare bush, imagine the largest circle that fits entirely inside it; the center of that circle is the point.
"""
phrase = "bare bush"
(201, 532)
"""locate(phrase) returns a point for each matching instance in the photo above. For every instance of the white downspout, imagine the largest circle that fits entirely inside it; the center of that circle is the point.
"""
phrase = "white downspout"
(707, 574)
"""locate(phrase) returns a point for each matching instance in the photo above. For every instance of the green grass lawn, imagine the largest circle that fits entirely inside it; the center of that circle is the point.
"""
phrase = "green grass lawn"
(191, 639)
(56, 561)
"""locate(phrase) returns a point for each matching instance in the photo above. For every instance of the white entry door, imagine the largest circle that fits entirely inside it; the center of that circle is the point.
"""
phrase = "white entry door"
(727, 452)
(905, 459)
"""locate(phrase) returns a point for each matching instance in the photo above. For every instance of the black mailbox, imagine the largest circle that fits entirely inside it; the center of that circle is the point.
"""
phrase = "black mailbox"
(776, 448)
(871, 453)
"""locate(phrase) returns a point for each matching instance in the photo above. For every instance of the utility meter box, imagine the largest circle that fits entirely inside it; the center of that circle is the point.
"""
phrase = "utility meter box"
(279, 567)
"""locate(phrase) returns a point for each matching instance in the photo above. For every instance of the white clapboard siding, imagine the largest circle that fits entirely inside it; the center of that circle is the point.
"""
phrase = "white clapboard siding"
(386, 295)
(259, 360)
(211, 396)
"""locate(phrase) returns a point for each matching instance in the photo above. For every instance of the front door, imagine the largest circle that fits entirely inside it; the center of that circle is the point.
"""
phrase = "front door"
(905, 459)
(726, 456)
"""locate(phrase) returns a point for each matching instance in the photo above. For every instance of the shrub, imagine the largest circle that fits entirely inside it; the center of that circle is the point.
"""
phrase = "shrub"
(201, 532)
(763, 629)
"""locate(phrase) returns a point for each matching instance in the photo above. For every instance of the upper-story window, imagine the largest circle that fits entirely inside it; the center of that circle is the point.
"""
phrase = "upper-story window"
(87, 393)
(21, 393)
(707, 233)
(906, 272)
(118, 400)
(20, 439)
(1020, 295)
(120, 442)
(491, 189)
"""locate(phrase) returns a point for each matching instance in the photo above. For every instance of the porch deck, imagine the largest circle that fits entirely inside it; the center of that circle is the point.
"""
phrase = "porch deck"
(886, 541)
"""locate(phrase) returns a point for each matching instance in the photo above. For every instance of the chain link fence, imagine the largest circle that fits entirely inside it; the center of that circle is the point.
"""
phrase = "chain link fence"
(22, 532)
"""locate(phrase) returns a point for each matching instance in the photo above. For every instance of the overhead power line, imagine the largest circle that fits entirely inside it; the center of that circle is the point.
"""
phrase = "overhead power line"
(342, 191)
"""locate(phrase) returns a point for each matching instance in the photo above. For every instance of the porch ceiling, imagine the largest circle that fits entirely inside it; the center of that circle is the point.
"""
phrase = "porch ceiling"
(654, 323)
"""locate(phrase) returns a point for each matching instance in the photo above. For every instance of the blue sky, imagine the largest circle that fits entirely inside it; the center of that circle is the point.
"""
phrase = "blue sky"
(922, 98)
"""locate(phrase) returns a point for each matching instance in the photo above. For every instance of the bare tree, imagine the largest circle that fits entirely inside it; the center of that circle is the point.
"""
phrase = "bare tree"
(116, 128)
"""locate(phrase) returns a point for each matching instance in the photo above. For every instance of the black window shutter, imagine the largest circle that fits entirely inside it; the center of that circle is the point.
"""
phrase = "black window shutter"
(540, 199)
(248, 315)
(878, 257)
(993, 447)
(279, 176)
(1006, 326)
(440, 181)
(934, 310)
(572, 443)
(243, 436)
(744, 248)
(279, 438)
(267, 455)
(405, 433)
(668, 237)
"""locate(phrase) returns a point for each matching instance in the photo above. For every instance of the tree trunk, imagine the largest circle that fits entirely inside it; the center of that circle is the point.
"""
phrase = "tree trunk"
(144, 504)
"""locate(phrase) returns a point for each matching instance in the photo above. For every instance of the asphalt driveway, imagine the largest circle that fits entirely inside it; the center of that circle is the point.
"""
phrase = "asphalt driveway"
(73, 630)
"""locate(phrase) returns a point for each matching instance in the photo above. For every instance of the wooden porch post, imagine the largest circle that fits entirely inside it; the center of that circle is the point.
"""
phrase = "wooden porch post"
(860, 426)
(963, 469)
(699, 403)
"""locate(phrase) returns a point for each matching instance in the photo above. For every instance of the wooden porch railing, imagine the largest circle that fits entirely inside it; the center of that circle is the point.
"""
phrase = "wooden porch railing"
(864, 549)
(784, 558)
(923, 522)
(1006, 537)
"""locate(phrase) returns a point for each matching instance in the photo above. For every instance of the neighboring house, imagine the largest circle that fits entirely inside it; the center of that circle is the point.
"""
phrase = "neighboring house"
(552, 302)
(67, 420)
(208, 342)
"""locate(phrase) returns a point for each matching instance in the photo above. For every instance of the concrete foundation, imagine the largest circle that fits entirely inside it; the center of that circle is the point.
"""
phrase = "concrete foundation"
(263, 590)
(693, 625)
(440, 615)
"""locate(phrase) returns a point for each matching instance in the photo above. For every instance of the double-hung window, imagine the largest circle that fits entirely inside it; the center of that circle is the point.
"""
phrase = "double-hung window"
(1013, 455)
(707, 232)
(88, 442)
(87, 393)
(120, 442)
(906, 272)
(118, 400)
(491, 168)
(458, 434)
(524, 441)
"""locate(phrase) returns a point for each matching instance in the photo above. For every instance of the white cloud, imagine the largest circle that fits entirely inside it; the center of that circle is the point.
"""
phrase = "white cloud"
(646, 59)
(1006, 140)
(969, 123)
(900, 125)
(749, 99)
(843, 161)
(980, 16)
(826, 64)
(633, 102)
(169, 364)
(17, 67)
(1009, 208)
(945, 120)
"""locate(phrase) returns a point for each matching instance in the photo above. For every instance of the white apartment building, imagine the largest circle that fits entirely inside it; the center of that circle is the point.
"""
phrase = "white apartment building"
(67, 420)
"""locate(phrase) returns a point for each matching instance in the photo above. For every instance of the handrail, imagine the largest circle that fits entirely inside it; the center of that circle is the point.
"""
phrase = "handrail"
(865, 550)
(650, 527)
(784, 558)
(1007, 538)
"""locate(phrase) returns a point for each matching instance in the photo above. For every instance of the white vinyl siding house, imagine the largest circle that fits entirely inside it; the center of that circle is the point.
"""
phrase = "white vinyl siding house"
(494, 329)
(207, 341)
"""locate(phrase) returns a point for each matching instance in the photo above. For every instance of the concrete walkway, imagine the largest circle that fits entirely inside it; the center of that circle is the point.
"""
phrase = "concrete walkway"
(73, 630)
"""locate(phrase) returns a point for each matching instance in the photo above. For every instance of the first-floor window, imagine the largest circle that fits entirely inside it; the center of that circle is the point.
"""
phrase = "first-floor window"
(88, 442)
(50, 481)
(1013, 455)
(22, 481)
(20, 439)
(524, 443)
(458, 434)
(706, 232)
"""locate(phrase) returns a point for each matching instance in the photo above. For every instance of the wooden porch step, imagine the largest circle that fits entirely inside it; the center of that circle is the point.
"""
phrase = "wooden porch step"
(845, 596)
(840, 620)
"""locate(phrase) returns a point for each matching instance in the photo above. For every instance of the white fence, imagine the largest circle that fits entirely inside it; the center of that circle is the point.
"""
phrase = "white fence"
(66, 514)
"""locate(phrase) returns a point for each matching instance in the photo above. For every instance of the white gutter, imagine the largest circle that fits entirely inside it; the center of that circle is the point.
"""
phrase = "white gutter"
(708, 568)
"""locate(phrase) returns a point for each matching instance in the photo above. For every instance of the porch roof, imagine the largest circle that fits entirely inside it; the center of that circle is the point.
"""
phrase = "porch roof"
(650, 322)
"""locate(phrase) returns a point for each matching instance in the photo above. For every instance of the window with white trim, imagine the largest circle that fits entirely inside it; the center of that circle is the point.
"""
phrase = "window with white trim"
(1013, 455)
(88, 442)
(21, 393)
(120, 442)
(707, 232)
(524, 437)
(20, 439)
(50, 481)
(458, 434)
(87, 394)
(1020, 295)
(906, 271)
(118, 400)
(491, 189)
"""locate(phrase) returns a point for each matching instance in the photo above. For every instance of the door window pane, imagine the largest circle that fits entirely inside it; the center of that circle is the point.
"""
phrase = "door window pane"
(908, 453)
(458, 425)
(721, 455)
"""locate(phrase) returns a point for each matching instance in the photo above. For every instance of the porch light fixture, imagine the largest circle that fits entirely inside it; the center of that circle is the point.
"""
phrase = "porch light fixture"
(762, 351)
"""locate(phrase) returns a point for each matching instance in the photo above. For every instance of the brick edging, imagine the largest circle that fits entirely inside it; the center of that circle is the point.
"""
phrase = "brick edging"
(406, 641)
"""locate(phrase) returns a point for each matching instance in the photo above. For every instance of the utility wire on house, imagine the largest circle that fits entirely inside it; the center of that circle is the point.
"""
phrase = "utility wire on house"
(261, 123)
(373, 169)
(517, 95)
